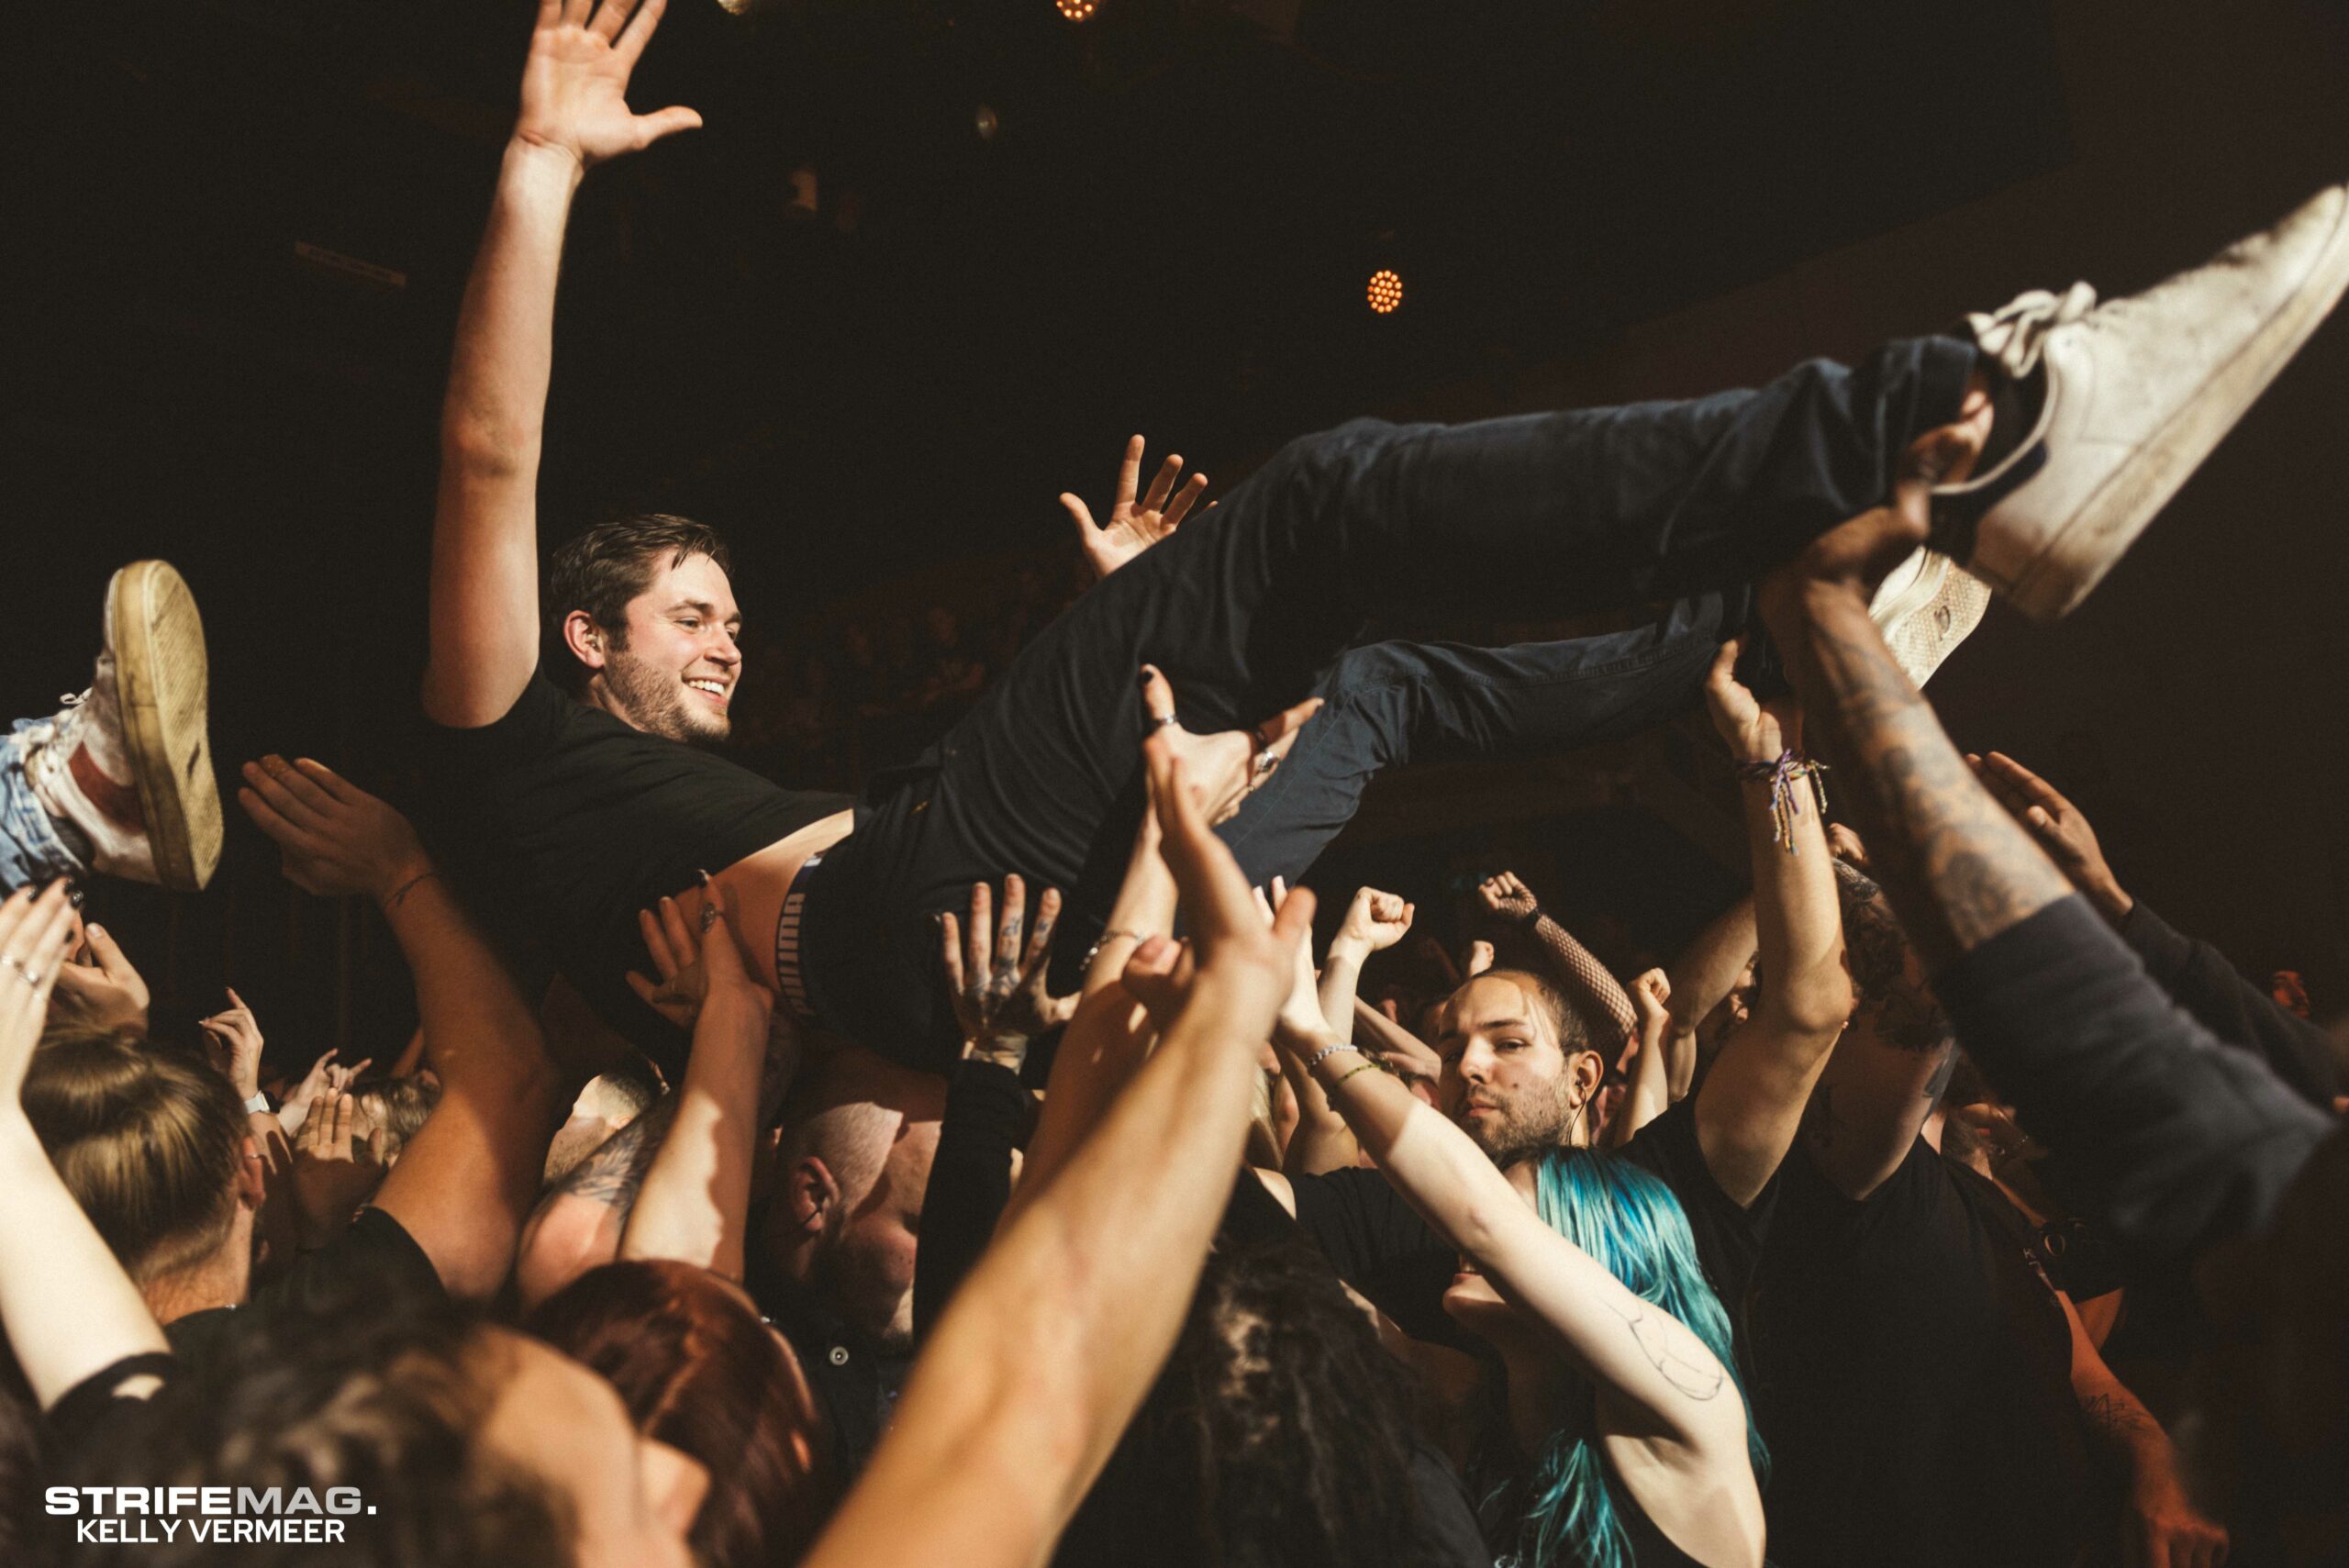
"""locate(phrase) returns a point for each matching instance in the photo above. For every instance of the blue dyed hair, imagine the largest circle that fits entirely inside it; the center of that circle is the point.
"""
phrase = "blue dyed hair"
(1631, 1224)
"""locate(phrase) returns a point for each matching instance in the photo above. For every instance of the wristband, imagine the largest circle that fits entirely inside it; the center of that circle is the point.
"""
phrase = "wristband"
(1786, 800)
(257, 1105)
(1326, 1051)
(1370, 1064)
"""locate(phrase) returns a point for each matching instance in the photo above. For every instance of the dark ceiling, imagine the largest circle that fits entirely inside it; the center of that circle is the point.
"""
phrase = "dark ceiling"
(1170, 229)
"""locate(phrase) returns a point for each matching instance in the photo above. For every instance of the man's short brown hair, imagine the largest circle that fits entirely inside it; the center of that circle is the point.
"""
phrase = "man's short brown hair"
(600, 571)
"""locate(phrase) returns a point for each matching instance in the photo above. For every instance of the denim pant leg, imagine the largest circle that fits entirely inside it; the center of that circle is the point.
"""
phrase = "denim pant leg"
(1391, 703)
(30, 851)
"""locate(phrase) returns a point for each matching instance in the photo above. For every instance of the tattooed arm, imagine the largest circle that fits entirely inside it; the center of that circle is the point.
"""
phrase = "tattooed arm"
(579, 1222)
(2158, 1522)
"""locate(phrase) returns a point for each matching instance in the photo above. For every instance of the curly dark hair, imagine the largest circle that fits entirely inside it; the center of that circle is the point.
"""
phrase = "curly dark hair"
(365, 1385)
(601, 570)
(1279, 1432)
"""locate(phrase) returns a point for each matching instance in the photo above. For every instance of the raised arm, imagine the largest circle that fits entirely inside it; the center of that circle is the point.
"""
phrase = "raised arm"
(485, 605)
(1651, 1087)
(2196, 974)
(1049, 1345)
(1644, 1357)
(694, 1205)
(464, 1185)
(2176, 1141)
(1572, 966)
(1751, 1104)
(69, 1310)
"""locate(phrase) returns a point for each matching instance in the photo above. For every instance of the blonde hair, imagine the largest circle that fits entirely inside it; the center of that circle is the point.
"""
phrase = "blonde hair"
(148, 1137)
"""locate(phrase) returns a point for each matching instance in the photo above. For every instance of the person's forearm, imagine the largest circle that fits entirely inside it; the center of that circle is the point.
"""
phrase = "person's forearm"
(1105, 1042)
(1145, 908)
(1797, 920)
(1957, 867)
(2203, 982)
(475, 1023)
(1648, 1094)
(970, 1181)
(279, 1225)
(1340, 982)
(1707, 969)
(1049, 1347)
(1322, 1142)
(1587, 980)
(69, 1310)
(694, 1205)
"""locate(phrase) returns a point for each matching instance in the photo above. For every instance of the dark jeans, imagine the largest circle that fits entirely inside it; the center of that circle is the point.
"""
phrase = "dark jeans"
(1262, 600)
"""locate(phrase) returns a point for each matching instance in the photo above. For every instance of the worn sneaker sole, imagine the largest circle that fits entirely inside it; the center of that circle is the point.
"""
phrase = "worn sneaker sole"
(162, 675)
(2094, 537)
(1928, 613)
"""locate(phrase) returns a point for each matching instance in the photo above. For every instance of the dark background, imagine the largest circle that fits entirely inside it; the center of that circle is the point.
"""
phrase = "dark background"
(878, 395)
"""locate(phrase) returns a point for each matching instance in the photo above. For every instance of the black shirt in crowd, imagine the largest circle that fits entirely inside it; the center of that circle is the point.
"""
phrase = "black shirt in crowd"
(560, 822)
(1913, 1376)
(376, 1253)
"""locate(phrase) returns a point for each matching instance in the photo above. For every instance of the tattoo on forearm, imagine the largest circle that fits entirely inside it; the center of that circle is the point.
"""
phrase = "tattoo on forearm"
(1933, 820)
(616, 1169)
(1653, 1335)
(2115, 1419)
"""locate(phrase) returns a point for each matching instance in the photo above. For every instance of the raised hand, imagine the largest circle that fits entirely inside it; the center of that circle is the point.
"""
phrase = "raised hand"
(1753, 732)
(1651, 1005)
(34, 930)
(296, 1107)
(1375, 921)
(574, 84)
(238, 1034)
(329, 1180)
(1236, 965)
(680, 982)
(2057, 826)
(998, 989)
(1507, 898)
(1480, 958)
(335, 838)
(1134, 526)
(1224, 768)
(97, 985)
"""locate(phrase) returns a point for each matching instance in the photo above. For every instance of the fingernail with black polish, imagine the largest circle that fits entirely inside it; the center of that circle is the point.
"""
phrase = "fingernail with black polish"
(76, 897)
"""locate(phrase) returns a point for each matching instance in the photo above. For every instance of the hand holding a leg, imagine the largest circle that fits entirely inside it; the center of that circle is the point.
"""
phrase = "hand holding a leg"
(1222, 769)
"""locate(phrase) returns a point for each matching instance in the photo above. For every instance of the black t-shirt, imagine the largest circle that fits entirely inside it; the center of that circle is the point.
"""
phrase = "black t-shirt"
(374, 1257)
(1380, 1246)
(1913, 1376)
(560, 822)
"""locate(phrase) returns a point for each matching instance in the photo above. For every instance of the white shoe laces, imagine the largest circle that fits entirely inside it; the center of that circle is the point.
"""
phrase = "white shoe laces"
(2016, 334)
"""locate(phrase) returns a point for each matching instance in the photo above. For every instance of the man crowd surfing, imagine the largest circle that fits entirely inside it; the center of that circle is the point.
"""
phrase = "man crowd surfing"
(985, 1169)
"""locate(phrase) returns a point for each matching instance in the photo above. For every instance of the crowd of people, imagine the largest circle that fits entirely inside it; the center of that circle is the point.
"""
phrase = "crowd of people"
(987, 1168)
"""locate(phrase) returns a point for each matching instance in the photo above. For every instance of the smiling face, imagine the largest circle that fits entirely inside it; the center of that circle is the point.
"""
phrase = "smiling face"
(672, 669)
(1508, 1080)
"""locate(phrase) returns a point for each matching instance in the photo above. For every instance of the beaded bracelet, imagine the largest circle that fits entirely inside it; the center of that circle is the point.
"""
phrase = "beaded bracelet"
(1330, 1049)
(1371, 1064)
(1786, 800)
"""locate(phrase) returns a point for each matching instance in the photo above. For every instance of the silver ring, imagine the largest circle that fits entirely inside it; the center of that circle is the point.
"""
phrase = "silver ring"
(1162, 720)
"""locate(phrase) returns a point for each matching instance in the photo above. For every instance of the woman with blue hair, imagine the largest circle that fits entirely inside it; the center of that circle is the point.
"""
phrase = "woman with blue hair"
(1580, 1271)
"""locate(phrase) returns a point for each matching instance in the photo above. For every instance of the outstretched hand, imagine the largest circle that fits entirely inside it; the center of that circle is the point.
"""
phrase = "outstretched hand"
(1134, 525)
(574, 83)
(236, 1034)
(1234, 964)
(97, 985)
(335, 836)
(998, 989)
(34, 930)
(1224, 768)
(331, 1179)
(2057, 826)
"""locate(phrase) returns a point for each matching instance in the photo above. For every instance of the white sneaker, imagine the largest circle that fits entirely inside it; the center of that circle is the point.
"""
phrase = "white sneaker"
(128, 763)
(2137, 392)
(1925, 608)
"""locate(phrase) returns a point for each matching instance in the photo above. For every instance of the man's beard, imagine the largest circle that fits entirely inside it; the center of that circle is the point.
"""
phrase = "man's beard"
(1527, 1125)
(654, 701)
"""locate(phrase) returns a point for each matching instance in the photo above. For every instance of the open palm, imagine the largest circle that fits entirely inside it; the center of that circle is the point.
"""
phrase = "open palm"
(574, 85)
